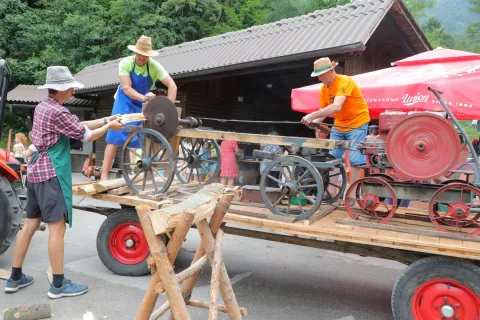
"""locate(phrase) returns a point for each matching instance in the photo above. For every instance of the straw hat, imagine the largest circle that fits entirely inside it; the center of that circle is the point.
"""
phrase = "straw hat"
(144, 47)
(322, 65)
(59, 78)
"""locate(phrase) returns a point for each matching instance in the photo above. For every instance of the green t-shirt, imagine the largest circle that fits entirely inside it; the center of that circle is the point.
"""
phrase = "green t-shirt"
(157, 72)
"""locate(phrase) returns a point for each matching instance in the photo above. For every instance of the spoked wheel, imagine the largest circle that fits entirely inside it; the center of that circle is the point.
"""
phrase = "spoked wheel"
(197, 161)
(293, 199)
(153, 167)
(332, 188)
(368, 194)
(452, 205)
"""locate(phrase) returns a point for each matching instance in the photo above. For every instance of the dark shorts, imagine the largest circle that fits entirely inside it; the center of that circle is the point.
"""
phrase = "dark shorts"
(45, 200)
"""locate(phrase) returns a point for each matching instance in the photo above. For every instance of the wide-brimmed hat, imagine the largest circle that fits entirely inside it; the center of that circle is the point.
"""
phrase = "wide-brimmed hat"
(60, 78)
(144, 47)
(322, 65)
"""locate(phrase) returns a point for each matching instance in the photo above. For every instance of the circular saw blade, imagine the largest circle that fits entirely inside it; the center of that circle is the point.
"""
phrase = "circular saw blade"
(161, 116)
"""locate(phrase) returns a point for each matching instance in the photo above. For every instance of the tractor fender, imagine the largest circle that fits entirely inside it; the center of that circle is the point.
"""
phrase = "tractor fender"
(8, 172)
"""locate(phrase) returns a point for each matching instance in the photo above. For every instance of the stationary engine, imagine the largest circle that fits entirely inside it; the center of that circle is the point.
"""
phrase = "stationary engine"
(417, 145)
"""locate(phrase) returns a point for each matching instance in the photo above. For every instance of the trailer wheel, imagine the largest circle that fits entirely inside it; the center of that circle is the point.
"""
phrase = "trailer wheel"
(10, 214)
(438, 288)
(121, 244)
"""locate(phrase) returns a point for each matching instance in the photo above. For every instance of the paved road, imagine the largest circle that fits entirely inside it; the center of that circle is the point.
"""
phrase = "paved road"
(273, 280)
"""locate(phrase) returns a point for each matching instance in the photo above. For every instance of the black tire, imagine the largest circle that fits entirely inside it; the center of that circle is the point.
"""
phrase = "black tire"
(10, 214)
(462, 271)
(103, 248)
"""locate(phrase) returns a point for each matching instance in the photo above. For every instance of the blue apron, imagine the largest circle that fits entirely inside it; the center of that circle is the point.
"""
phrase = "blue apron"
(126, 105)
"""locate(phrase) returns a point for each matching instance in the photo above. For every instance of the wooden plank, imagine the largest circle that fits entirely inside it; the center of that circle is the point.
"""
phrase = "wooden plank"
(418, 231)
(343, 235)
(262, 215)
(4, 274)
(131, 200)
(323, 212)
(266, 139)
(202, 204)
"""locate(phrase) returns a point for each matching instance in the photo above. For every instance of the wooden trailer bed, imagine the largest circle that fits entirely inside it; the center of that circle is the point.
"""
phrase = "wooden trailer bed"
(410, 230)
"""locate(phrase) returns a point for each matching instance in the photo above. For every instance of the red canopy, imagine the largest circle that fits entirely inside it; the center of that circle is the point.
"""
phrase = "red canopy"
(405, 86)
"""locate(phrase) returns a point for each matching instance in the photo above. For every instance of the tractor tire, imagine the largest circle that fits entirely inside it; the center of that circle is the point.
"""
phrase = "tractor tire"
(437, 288)
(122, 245)
(10, 214)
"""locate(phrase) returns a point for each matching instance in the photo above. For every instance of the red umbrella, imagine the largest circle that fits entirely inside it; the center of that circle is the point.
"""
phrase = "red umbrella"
(405, 86)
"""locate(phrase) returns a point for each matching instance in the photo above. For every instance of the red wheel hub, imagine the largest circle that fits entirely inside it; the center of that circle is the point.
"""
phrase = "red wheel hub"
(459, 211)
(415, 146)
(370, 201)
(445, 299)
(128, 244)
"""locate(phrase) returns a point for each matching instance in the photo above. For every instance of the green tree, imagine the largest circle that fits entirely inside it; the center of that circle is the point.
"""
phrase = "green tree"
(418, 8)
(437, 35)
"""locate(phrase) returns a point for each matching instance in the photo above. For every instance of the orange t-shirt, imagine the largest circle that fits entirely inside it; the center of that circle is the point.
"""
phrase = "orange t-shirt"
(354, 112)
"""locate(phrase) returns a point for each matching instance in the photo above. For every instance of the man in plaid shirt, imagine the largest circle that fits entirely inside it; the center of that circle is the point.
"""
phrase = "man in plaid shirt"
(49, 193)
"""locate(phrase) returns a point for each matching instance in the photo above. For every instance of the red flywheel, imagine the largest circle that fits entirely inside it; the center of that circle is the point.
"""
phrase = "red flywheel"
(423, 146)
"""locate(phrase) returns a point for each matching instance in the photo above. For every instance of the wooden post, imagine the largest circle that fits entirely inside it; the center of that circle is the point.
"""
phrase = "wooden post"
(226, 289)
(35, 312)
(173, 247)
(164, 266)
(215, 223)
(214, 286)
(221, 307)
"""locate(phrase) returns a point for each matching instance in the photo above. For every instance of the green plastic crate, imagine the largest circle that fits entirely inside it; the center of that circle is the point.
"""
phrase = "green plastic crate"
(303, 201)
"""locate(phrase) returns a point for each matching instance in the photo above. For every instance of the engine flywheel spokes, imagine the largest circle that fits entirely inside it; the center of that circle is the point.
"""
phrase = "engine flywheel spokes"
(416, 146)
(371, 199)
(453, 208)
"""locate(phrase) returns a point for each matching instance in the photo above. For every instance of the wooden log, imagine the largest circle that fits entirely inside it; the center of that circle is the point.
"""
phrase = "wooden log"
(103, 186)
(418, 231)
(266, 139)
(164, 266)
(215, 283)
(208, 241)
(221, 307)
(173, 248)
(160, 311)
(202, 204)
(215, 223)
(35, 312)
(194, 268)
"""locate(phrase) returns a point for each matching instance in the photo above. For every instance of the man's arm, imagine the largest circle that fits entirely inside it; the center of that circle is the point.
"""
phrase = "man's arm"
(70, 126)
(129, 91)
(172, 88)
(95, 124)
(333, 108)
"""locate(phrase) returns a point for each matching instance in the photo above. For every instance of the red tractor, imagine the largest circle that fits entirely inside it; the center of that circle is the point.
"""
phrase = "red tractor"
(12, 190)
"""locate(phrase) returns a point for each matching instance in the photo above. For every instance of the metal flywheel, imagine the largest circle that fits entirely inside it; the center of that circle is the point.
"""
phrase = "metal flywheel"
(423, 146)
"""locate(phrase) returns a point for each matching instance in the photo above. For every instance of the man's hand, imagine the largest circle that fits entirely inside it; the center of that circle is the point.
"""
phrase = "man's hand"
(149, 96)
(307, 120)
(114, 117)
(115, 125)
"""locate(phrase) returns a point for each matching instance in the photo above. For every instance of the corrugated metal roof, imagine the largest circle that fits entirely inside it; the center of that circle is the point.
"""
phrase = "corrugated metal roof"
(28, 94)
(323, 29)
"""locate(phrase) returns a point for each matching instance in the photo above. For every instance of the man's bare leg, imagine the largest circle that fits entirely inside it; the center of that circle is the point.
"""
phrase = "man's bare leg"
(110, 151)
(23, 241)
(56, 234)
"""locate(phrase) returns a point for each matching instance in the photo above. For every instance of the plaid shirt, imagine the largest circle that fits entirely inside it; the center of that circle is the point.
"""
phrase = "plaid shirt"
(50, 121)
